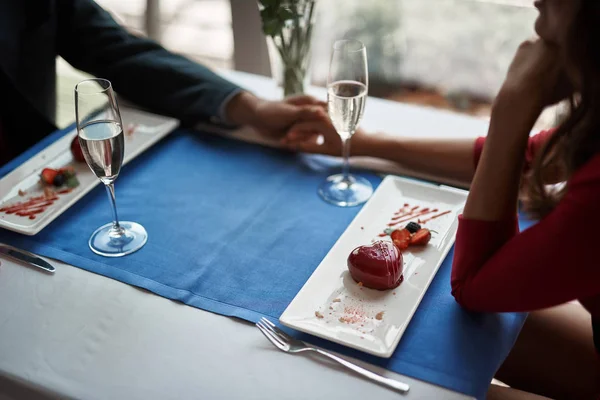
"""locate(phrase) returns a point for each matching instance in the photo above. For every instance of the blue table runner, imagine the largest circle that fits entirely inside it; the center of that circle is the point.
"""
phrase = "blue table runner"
(237, 229)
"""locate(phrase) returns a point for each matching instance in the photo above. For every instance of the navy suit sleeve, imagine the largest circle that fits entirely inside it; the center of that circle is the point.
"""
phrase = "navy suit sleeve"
(139, 68)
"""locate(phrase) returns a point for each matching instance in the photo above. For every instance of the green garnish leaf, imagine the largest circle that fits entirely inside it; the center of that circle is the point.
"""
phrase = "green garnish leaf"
(72, 182)
(389, 231)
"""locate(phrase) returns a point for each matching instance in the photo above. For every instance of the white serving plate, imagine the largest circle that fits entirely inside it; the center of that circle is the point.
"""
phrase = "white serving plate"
(359, 306)
(150, 129)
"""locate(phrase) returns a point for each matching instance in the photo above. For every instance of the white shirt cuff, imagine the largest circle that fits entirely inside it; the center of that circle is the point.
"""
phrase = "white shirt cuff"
(221, 118)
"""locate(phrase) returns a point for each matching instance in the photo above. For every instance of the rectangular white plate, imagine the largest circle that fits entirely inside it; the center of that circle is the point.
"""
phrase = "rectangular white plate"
(348, 312)
(149, 129)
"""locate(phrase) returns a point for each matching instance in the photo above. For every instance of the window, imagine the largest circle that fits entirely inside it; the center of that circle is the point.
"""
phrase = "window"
(443, 53)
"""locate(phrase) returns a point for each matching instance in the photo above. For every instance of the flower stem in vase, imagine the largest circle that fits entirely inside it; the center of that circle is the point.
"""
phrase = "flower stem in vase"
(289, 24)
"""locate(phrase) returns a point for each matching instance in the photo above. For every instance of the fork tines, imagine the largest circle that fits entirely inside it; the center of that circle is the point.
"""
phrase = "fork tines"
(275, 335)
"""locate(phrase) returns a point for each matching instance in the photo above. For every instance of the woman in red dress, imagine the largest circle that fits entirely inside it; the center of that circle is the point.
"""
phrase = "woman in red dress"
(552, 269)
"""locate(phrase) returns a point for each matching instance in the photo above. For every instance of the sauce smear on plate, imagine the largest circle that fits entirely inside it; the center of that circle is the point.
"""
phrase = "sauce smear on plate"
(34, 206)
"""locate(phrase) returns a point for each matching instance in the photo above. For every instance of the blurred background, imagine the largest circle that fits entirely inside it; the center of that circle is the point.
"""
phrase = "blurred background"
(450, 54)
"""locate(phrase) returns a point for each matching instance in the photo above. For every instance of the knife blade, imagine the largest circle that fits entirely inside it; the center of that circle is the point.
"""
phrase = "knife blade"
(26, 257)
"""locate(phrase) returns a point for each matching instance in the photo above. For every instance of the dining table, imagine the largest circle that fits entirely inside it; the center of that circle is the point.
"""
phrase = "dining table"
(81, 335)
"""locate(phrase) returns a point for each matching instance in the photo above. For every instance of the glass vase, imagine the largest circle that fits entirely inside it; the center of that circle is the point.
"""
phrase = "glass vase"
(289, 50)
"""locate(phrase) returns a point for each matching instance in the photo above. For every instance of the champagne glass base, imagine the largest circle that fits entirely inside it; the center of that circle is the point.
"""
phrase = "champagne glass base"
(353, 192)
(107, 242)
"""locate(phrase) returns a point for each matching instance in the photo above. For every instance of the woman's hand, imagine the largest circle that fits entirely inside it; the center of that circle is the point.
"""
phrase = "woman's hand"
(536, 78)
(314, 136)
(272, 119)
(318, 135)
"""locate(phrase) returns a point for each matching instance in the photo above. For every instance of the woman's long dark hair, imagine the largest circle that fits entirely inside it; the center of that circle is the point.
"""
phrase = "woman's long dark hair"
(577, 139)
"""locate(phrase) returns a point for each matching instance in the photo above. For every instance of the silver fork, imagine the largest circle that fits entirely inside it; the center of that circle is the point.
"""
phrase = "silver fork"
(288, 344)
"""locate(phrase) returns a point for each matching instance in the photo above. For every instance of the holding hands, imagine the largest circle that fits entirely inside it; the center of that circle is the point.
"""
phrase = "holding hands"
(271, 119)
(315, 135)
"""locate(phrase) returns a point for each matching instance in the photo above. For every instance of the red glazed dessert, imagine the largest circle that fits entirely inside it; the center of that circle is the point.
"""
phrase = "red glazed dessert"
(376, 266)
(76, 150)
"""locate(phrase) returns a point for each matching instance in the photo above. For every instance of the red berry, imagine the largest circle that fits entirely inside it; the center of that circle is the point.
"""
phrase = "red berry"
(48, 175)
(421, 238)
(76, 150)
(401, 238)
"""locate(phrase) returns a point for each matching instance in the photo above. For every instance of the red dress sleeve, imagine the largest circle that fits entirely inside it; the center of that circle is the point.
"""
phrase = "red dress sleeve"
(498, 269)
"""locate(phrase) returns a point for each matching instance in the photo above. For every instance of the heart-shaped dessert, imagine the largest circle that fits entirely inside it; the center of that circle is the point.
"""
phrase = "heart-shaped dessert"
(76, 150)
(377, 266)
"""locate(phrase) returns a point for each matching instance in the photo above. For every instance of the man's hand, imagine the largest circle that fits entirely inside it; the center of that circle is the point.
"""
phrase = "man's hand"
(318, 135)
(272, 119)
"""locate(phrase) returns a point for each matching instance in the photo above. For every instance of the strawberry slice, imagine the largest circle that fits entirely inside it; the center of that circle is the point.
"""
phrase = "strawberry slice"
(48, 175)
(421, 237)
(401, 238)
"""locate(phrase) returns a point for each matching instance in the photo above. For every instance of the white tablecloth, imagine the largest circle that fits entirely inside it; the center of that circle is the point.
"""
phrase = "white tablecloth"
(79, 335)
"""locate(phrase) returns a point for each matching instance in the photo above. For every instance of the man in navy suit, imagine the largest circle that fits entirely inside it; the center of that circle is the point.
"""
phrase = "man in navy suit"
(34, 32)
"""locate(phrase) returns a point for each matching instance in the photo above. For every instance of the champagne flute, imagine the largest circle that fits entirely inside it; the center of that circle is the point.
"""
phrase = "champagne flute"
(347, 87)
(101, 137)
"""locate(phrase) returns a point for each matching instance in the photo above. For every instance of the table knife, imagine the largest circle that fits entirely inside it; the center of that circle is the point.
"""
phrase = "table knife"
(25, 257)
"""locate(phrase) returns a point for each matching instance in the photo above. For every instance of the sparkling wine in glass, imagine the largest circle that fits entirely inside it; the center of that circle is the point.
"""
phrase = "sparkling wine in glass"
(101, 138)
(347, 88)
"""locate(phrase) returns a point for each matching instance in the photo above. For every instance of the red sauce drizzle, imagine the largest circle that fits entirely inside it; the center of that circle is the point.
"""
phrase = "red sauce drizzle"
(131, 129)
(420, 214)
(424, 211)
(34, 206)
(403, 209)
(406, 213)
(434, 217)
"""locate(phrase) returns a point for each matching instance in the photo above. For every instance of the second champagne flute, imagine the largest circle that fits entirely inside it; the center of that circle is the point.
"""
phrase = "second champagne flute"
(101, 138)
(347, 88)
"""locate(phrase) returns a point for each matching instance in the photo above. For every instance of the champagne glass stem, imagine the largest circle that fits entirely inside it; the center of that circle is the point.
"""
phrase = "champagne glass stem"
(346, 156)
(110, 190)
